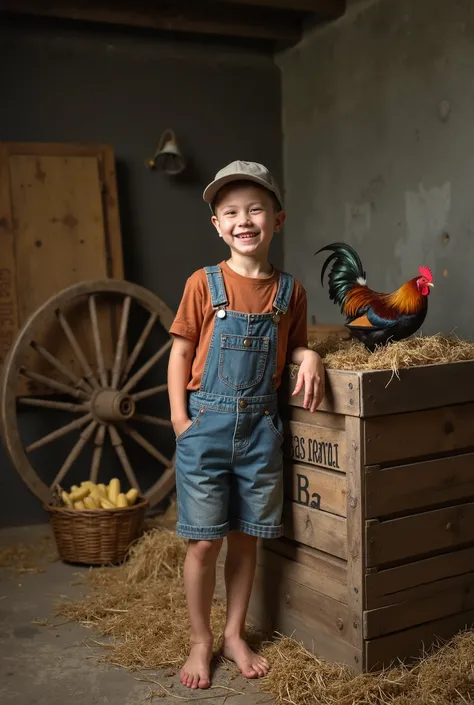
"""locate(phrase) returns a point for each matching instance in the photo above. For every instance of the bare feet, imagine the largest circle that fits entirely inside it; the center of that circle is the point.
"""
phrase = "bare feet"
(247, 661)
(196, 671)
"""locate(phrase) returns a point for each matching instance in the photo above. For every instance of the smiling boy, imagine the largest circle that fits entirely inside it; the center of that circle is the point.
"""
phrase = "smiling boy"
(238, 325)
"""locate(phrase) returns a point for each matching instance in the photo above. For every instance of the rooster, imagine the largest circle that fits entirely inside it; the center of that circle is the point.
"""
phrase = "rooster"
(373, 318)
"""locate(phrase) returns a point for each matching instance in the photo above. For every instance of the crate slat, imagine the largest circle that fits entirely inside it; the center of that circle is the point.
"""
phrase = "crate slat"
(404, 538)
(420, 433)
(316, 488)
(404, 488)
(326, 532)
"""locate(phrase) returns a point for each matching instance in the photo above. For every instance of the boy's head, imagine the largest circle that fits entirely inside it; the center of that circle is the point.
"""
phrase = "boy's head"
(246, 206)
(244, 172)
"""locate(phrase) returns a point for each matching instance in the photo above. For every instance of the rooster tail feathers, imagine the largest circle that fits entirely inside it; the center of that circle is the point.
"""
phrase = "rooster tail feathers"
(346, 272)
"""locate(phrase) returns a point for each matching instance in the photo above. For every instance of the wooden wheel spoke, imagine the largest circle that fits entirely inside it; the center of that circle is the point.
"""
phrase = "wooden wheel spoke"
(97, 341)
(60, 367)
(154, 420)
(97, 452)
(121, 341)
(59, 433)
(53, 384)
(50, 404)
(89, 375)
(133, 381)
(74, 454)
(139, 345)
(150, 392)
(123, 457)
(146, 445)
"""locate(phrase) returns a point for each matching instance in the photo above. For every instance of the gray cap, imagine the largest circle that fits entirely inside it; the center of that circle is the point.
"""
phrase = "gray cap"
(242, 171)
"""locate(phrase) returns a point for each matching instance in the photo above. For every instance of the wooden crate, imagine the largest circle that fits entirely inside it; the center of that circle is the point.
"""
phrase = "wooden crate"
(59, 225)
(378, 556)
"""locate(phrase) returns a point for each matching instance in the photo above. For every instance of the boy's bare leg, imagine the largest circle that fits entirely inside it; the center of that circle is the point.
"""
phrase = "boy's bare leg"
(199, 583)
(239, 573)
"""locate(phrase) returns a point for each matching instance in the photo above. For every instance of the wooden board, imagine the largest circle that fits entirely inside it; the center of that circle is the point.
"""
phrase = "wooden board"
(341, 397)
(386, 587)
(316, 488)
(403, 488)
(422, 604)
(410, 643)
(331, 566)
(274, 593)
(326, 532)
(320, 579)
(62, 213)
(8, 292)
(419, 433)
(420, 534)
(315, 444)
(416, 388)
(355, 514)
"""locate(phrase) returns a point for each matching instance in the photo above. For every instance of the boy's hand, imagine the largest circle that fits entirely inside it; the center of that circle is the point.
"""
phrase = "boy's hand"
(180, 426)
(311, 376)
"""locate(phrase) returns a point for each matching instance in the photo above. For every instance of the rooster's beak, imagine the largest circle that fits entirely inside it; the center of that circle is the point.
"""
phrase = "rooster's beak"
(429, 284)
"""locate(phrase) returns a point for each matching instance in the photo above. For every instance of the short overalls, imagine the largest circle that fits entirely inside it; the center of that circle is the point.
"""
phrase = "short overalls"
(229, 473)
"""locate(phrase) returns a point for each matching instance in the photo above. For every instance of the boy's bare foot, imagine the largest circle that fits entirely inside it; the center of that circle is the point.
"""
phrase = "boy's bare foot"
(247, 661)
(196, 671)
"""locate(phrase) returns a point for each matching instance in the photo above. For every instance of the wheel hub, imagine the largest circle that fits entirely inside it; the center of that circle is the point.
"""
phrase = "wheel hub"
(109, 405)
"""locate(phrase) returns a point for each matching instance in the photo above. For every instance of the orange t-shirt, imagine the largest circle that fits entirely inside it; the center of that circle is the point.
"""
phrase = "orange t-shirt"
(195, 317)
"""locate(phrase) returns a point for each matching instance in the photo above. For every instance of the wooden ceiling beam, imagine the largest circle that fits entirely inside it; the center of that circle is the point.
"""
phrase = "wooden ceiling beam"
(202, 18)
(324, 8)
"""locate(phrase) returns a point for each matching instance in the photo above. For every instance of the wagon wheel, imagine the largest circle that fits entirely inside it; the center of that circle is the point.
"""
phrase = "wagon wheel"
(103, 399)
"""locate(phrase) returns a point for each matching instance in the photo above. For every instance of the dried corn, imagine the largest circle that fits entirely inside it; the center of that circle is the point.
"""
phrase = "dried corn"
(79, 494)
(79, 505)
(131, 496)
(122, 500)
(106, 504)
(113, 490)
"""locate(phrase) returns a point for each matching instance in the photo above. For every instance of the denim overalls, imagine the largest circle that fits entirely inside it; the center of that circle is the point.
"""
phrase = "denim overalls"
(229, 472)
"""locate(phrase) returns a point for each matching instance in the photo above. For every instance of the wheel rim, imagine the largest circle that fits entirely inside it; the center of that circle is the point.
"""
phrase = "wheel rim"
(105, 399)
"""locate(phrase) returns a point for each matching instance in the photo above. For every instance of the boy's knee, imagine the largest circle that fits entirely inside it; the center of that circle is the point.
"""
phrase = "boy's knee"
(205, 551)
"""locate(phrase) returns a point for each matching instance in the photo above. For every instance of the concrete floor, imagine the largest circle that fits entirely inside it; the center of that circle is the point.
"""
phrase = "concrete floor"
(43, 662)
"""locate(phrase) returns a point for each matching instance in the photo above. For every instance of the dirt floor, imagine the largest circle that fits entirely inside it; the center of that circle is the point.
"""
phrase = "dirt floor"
(44, 661)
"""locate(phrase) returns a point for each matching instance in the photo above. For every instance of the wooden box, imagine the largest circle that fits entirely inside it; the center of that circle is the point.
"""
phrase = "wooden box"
(378, 556)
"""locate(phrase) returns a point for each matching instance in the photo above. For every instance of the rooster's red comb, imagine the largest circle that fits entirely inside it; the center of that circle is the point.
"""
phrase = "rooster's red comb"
(427, 273)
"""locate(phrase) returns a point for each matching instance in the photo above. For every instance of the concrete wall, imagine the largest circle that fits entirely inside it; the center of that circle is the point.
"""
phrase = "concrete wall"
(70, 83)
(378, 122)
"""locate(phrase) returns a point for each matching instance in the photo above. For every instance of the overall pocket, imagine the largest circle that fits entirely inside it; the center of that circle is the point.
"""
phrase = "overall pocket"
(242, 360)
(195, 420)
(276, 425)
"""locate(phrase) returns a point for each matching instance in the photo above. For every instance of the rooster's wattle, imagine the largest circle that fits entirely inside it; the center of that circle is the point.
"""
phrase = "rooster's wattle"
(371, 317)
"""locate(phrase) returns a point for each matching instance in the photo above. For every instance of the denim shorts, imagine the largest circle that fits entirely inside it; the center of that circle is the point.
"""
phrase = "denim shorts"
(229, 468)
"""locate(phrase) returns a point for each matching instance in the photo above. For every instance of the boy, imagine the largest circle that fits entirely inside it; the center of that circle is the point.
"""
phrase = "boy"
(237, 326)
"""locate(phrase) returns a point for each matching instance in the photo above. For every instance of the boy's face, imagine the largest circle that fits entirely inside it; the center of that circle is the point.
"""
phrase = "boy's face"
(246, 218)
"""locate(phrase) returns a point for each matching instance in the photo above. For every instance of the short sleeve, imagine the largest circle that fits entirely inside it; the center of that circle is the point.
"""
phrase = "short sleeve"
(189, 318)
(298, 332)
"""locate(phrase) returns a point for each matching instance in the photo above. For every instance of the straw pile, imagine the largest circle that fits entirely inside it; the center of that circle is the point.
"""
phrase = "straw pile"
(417, 350)
(141, 607)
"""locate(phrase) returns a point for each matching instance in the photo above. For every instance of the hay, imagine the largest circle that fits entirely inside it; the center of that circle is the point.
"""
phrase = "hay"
(297, 677)
(417, 350)
(141, 607)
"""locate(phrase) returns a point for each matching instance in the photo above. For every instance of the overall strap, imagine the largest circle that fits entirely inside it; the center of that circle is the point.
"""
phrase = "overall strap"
(215, 282)
(284, 293)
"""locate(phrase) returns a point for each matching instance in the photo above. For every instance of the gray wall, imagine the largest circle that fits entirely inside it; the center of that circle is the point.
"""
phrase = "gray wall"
(69, 83)
(378, 122)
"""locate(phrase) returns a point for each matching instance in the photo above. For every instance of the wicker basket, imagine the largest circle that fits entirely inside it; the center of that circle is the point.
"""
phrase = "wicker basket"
(96, 536)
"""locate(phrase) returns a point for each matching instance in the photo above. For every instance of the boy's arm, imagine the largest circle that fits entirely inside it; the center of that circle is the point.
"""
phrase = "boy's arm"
(179, 370)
